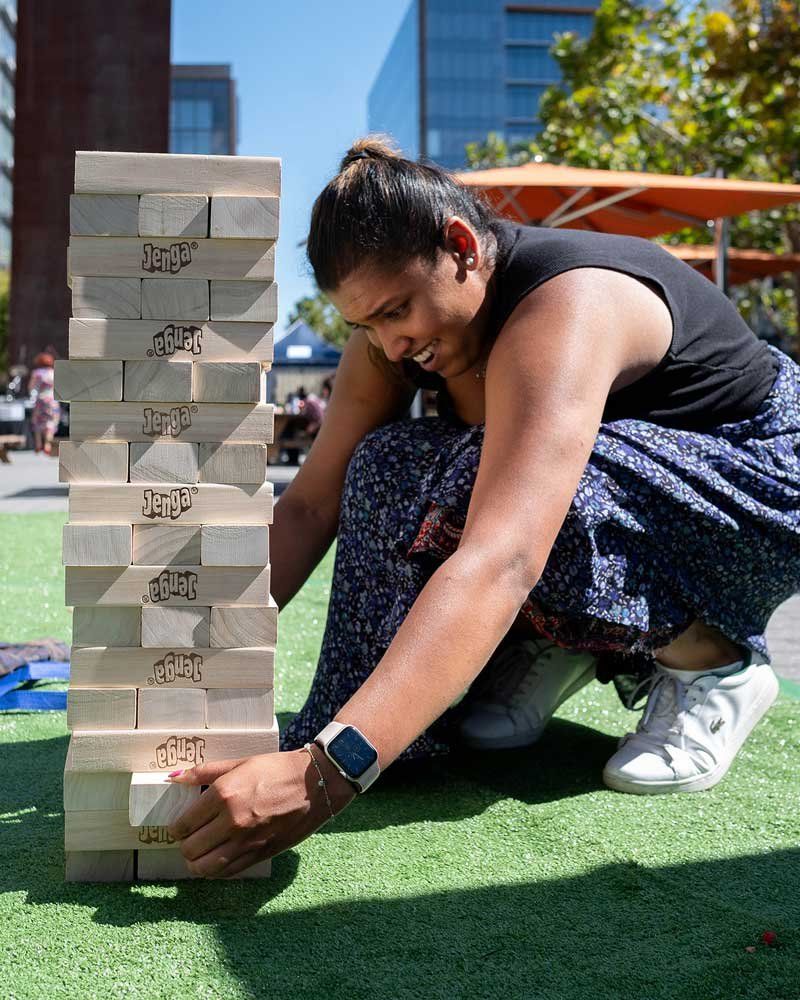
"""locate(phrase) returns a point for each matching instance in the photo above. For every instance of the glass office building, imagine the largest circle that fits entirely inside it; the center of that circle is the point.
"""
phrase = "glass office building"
(8, 69)
(459, 69)
(202, 116)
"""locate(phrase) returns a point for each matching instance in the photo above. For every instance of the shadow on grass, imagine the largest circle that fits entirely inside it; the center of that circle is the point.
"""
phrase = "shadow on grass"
(618, 930)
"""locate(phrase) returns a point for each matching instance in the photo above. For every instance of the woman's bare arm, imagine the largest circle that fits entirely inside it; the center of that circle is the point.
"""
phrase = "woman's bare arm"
(547, 382)
(307, 514)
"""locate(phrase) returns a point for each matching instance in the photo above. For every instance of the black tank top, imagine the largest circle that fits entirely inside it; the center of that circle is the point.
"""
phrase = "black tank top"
(715, 371)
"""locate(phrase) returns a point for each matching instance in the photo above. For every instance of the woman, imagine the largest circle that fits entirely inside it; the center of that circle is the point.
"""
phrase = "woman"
(46, 409)
(615, 471)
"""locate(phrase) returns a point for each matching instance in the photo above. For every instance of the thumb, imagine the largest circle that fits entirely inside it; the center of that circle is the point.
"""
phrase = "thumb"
(204, 774)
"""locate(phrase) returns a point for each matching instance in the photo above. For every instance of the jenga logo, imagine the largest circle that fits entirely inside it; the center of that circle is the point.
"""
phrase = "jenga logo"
(175, 337)
(154, 835)
(179, 750)
(177, 666)
(167, 260)
(168, 423)
(172, 583)
(167, 503)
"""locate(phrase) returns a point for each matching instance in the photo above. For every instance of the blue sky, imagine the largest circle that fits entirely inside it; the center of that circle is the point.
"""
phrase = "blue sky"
(303, 70)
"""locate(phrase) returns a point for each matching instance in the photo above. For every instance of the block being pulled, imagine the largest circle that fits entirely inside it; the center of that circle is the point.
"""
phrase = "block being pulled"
(155, 801)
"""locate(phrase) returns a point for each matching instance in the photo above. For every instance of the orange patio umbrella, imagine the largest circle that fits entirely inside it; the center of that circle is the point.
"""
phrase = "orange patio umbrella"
(616, 201)
(743, 265)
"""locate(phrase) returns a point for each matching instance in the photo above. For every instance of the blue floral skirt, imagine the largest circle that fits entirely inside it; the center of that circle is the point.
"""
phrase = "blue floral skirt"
(666, 526)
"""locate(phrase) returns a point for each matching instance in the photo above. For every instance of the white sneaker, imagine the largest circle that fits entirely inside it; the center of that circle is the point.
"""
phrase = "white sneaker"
(689, 733)
(523, 686)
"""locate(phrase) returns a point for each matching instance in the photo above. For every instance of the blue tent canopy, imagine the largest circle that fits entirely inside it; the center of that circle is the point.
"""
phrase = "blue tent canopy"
(301, 346)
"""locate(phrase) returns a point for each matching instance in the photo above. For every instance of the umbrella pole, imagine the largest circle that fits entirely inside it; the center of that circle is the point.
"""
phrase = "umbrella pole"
(721, 241)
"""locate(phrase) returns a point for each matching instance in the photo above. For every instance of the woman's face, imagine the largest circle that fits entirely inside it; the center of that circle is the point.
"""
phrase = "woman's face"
(435, 314)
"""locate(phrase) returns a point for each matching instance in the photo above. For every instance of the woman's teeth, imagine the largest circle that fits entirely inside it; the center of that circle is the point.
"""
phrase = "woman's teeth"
(424, 355)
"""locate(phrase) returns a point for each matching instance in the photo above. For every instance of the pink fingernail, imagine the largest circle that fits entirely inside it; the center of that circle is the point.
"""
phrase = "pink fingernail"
(174, 774)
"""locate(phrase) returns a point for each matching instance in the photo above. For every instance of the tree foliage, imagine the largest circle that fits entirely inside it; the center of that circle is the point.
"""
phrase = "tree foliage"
(322, 316)
(683, 87)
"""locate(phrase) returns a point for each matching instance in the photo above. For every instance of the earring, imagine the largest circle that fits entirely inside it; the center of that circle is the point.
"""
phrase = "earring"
(469, 261)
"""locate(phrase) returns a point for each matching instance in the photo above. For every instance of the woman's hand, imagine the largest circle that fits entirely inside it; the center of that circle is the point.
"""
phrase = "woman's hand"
(255, 808)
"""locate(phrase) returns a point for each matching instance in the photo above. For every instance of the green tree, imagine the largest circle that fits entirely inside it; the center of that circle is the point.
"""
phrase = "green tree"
(323, 317)
(683, 88)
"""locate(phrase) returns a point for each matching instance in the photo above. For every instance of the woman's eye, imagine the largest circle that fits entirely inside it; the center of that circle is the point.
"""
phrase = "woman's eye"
(395, 313)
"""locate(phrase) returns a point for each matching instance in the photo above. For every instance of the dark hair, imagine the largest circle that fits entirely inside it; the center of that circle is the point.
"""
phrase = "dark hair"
(381, 205)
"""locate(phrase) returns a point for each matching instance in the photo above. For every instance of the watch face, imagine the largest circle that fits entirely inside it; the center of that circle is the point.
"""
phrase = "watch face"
(352, 752)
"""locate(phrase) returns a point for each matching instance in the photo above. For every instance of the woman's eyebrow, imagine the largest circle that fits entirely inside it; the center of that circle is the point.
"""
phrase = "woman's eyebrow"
(377, 312)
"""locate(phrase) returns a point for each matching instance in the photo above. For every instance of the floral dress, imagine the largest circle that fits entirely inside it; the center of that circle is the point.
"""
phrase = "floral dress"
(666, 526)
(46, 410)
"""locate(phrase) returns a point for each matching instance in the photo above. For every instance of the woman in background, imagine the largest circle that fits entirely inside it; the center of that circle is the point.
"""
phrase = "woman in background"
(46, 410)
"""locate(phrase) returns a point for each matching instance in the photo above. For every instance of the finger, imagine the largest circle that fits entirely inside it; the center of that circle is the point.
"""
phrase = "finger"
(207, 838)
(211, 864)
(242, 863)
(197, 815)
(205, 774)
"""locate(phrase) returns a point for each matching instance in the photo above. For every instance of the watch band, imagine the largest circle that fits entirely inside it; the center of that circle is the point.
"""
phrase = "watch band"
(362, 781)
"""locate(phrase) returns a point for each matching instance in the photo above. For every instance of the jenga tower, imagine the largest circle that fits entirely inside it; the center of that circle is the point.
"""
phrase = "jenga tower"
(172, 267)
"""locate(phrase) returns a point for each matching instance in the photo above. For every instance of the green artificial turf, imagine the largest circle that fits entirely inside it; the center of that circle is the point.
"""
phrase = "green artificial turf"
(513, 874)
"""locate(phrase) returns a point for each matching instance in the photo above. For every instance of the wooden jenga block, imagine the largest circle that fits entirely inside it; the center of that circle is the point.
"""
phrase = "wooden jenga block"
(225, 260)
(232, 463)
(234, 545)
(240, 627)
(245, 218)
(174, 708)
(88, 380)
(158, 381)
(174, 215)
(99, 866)
(93, 462)
(189, 422)
(101, 708)
(132, 340)
(137, 503)
(154, 173)
(203, 586)
(166, 298)
(95, 789)
(106, 298)
(134, 666)
(104, 215)
(154, 750)
(97, 544)
(175, 627)
(168, 865)
(106, 626)
(166, 544)
(253, 301)
(227, 382)
(109, 830)
(239, 708)
(164, 462)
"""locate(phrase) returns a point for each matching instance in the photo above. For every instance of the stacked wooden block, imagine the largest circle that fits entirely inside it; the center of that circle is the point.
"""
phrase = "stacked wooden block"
(172, 267)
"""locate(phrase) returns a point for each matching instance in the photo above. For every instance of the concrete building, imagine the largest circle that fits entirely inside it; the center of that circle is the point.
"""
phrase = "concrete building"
(459, 69)
(90, 75)
(202, 117)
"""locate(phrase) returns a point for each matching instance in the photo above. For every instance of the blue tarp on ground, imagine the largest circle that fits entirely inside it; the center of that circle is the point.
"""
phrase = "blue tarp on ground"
(301, 346)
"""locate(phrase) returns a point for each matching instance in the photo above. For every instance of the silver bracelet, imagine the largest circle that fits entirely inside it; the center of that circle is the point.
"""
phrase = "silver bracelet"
(323, 784)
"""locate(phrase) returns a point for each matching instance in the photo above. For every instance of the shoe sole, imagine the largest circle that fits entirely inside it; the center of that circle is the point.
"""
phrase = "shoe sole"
(516, 742)
(700, 782)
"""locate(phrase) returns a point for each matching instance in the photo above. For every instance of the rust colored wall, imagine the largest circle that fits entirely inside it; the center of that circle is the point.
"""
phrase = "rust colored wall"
(91, 74)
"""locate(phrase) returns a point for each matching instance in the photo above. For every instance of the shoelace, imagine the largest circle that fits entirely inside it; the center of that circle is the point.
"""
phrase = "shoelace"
(661, 729)
(513, 672)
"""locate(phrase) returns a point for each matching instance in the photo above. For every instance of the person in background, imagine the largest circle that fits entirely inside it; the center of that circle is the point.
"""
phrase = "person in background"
(315, 407)
(46, 409)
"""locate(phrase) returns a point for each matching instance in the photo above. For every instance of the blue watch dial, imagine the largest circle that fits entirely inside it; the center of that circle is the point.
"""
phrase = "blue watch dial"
(352, 752)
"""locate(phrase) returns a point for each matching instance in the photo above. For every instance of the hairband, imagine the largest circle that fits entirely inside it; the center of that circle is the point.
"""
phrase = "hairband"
(360, 155)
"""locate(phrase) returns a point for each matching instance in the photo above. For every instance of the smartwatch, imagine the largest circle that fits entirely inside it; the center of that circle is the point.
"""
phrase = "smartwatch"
(351, 753)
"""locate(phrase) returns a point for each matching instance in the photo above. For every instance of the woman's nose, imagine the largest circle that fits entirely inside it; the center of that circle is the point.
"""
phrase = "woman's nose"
(395, 347)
